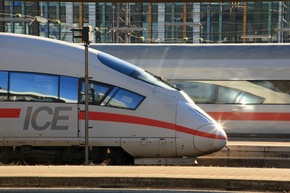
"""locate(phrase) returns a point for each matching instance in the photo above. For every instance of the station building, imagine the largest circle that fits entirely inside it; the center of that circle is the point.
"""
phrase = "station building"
(190, 22)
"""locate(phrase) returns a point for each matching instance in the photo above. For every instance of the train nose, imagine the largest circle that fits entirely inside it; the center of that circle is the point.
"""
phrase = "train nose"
(210, 138)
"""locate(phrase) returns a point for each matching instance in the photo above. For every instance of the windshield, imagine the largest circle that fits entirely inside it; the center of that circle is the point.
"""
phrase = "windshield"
(133, 71)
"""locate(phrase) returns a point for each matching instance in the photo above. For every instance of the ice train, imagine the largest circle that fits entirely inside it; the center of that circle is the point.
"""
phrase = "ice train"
(133, 115)
(245, 87)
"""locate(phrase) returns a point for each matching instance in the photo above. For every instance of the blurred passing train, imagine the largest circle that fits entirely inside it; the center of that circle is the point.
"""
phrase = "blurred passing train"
(133, 114)
(245, 87)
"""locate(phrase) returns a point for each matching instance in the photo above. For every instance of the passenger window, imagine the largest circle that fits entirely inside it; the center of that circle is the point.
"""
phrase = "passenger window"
(125, 99)
(3, 86)
(33, 87)
(69, 89)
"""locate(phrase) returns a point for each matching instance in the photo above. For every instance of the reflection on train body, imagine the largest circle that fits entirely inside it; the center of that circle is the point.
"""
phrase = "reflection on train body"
(237, 92)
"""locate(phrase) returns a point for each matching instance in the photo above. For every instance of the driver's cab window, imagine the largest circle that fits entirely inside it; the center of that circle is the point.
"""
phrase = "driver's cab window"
(96, 91)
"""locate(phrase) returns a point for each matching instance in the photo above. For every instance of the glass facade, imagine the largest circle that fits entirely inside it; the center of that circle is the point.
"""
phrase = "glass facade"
(227, 22)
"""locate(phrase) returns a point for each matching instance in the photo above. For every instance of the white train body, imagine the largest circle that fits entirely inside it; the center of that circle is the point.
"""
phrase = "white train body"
(245, 87)
(42, 94)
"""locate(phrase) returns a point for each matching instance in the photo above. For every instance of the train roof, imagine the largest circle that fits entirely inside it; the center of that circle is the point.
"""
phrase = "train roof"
(23, 52)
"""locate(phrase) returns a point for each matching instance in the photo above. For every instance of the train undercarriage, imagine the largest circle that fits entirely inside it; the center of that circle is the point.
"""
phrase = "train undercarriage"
(74, 155)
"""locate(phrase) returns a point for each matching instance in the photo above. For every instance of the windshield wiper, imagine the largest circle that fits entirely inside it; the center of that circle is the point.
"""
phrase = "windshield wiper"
(165, 81)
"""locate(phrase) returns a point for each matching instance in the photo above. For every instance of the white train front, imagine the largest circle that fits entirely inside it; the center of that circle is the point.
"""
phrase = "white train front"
(132, 114)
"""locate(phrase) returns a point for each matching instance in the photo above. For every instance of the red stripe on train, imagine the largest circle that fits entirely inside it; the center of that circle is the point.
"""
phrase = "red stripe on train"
(98, 116)
(251, 116)
(199, 133)
(9, 113)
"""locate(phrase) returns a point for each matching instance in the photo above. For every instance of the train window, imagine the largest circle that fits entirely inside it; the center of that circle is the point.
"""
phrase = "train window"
(227, 95)
(237, 91)
(97, 92)
(248, 98)
(33, 87)
(69, 89)
(133, 71)
(3, 85)
(201, 93)
(282, 86)
(125, 99)
(110, 96)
